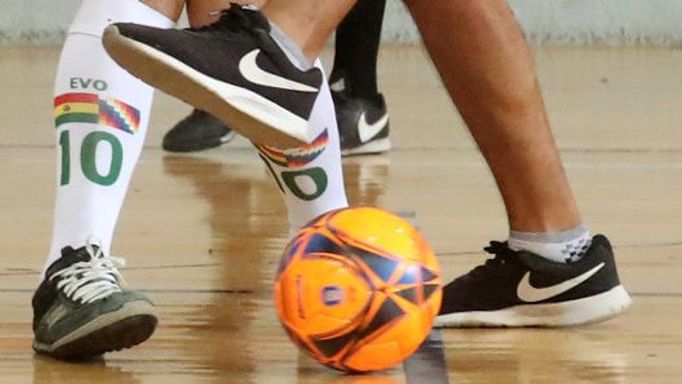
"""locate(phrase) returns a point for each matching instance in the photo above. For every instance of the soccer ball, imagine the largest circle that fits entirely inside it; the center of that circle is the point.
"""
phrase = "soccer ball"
(358, 289)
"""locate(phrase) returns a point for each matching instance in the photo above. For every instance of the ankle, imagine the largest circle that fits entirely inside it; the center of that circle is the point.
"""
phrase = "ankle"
(558, 246)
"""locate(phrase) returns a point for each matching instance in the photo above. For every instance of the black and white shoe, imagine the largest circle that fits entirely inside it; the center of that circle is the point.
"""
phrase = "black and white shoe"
(232, 69)
(196, 132)
(363, 124)
(521, 289)
(363, 128)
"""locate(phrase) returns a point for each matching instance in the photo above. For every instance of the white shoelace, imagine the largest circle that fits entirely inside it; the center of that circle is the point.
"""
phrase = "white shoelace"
(88, 281)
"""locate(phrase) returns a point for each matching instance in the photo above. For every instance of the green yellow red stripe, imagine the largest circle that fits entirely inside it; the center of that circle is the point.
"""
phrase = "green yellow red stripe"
(89, 108)
(296, 157)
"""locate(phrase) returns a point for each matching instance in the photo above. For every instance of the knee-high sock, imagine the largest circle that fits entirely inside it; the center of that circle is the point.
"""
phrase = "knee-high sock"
(310, 177)
(101, 117)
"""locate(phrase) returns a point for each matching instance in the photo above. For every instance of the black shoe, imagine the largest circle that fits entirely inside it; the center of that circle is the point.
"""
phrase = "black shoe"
(81, 311)
(232, 69)
(197, 132)
(521, 289)
(363, 124)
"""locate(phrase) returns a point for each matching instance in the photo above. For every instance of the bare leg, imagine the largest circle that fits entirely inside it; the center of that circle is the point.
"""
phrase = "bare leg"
(308, 23)
(487, 68)
(203, 12)
(171, 8)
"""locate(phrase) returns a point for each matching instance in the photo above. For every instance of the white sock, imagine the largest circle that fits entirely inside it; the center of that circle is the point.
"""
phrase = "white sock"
(561, 247)
(311, 177)
(101, 116)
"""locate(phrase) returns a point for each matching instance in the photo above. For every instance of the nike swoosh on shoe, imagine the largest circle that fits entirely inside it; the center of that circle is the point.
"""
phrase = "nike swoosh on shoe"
(255, 74)
(367, 131)
(530, 294)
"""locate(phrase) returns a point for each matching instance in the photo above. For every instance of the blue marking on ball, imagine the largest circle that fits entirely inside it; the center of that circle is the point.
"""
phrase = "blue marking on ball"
(332, 295)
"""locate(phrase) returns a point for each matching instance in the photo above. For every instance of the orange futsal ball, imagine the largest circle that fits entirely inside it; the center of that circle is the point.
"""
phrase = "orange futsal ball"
(358, 289)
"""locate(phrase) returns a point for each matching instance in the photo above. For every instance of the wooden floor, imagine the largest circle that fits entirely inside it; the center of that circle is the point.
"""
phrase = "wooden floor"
(202, 234)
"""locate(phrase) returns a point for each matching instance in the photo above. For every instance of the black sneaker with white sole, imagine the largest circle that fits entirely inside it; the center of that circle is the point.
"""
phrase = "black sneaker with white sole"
(196, 132)
(363, 124)
(232, 69)
(363, 128)
(521, 289)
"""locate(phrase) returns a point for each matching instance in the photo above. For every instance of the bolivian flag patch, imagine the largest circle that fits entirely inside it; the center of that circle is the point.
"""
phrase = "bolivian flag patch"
(89, 108)
(296, 157)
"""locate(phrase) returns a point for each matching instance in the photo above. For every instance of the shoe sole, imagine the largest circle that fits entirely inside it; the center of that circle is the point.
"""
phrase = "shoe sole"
(372, 147)
(199, 145)
(131, 325)
(253, 116)
(588, 310)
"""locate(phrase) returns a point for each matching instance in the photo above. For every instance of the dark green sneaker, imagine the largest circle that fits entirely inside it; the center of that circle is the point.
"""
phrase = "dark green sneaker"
(81, 311)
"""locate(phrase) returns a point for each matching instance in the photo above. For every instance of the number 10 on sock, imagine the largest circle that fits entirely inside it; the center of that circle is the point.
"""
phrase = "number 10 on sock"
(88, 158)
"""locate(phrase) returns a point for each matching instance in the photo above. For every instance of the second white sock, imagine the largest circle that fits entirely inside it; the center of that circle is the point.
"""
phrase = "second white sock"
(311, 177)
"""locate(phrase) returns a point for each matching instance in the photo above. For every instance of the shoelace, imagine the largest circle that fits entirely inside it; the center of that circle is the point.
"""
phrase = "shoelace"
(89, 281)
(501, 255)
(234, 19)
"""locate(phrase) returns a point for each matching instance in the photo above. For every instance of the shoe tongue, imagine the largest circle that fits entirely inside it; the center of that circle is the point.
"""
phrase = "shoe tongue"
(69, 257)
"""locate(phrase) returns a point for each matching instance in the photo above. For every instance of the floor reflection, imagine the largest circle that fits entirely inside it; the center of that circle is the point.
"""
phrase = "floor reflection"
(245, 216)
(533, 356)
(248, 225)
(366, 179)
(49, 371)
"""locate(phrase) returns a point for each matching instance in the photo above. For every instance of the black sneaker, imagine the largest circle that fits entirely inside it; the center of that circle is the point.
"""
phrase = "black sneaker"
(80, 310)
(521, 289)
(197, 132)
(363, 124)
(232, 69)
(200, 130)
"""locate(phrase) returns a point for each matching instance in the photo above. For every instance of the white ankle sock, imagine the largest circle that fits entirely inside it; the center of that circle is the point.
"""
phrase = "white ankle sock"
(101, 116)
(311, 177)
(561, 247)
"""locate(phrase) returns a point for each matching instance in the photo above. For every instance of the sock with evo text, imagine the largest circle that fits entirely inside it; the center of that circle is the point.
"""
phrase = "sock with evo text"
(101, 116)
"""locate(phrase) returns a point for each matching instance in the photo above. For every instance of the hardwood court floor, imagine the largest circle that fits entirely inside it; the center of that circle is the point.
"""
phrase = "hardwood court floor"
(202, 234)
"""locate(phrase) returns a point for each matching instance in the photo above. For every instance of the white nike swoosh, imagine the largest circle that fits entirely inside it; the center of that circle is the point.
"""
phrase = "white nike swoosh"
(368, 131)
(530, 294)
(253, 73)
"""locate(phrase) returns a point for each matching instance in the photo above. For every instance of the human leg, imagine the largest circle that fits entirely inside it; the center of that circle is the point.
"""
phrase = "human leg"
(205, 12)
(491, 79)
(499, 98)
(310, 177)
(360, 109)
(101, 115)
